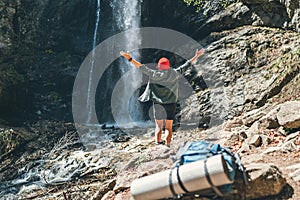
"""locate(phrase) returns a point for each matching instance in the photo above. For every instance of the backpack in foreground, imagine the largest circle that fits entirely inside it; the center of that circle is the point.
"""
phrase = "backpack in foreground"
(201, 150)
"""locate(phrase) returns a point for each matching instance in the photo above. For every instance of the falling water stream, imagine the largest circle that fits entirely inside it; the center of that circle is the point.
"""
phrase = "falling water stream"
(127, 14)
(89, 95)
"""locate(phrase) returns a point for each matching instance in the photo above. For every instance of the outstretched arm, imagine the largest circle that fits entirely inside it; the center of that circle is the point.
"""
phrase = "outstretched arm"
(193, 60)
(130, 59)
(198, 53)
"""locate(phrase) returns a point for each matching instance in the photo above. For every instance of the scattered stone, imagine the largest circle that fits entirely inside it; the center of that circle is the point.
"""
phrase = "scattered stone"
(292, 136)
(144, 168)
(254, 115)
(271, 150)
(253, 158)
(124, 195)
(108, 196)
(265, 140)
(296, 174)
(289, 116)
(245, 148)
(256, 141)
(234, 123)
(270, 120)
(106, 192)
(289, 146)
(282, 131)
(253, 130)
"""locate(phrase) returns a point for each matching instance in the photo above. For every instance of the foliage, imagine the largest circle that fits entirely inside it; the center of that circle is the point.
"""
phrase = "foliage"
(200, 4)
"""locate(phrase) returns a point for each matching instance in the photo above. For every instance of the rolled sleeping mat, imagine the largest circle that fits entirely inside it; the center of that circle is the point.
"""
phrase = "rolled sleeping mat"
(195, 176)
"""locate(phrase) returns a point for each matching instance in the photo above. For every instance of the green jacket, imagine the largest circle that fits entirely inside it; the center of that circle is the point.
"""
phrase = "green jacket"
(162, 86)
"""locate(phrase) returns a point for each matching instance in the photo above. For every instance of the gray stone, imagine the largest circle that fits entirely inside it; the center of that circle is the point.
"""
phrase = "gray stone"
(256, 141)
(282, 131)
(252, 158)
(235, 122)
(271, 150)
(289, 146)
(296, 20)
(270, 120)
(253, 130)
(289, 114)
(245, 148)
(254, 115)
(265, 140)
(109, 196)
(295, 175)
(292, 136)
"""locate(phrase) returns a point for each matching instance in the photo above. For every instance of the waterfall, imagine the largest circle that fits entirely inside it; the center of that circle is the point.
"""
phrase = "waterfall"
(127, 15)
(89, 103)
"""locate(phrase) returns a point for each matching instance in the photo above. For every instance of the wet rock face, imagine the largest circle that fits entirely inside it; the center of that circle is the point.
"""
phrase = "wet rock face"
(55, 25)
(8, 11)
(43, 42)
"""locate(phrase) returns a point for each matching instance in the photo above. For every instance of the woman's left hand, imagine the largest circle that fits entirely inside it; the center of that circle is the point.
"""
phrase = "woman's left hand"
(199, 53)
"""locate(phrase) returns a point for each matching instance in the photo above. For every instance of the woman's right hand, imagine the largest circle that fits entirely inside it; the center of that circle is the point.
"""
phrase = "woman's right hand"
(128, 57)
(125, 55)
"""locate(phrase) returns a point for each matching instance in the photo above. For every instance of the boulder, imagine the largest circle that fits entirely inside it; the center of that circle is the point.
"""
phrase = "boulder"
(265, 180)
(289, 116)
(270, 120)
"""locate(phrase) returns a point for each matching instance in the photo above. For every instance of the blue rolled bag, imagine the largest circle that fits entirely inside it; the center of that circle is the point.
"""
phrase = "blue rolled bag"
(202, 150)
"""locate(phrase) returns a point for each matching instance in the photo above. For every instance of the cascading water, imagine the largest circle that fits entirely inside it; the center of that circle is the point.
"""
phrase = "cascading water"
(127, 15)
(89, 103)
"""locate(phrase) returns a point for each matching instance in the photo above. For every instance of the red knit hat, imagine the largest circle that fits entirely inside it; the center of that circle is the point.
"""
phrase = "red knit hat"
(163, 64)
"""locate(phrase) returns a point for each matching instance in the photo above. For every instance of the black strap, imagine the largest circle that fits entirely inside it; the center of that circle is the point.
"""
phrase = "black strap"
(170, 181)
(217, 191)
(180, 182)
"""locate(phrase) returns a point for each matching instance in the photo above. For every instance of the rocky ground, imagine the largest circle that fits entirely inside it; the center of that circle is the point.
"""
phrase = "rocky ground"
(269, 153)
